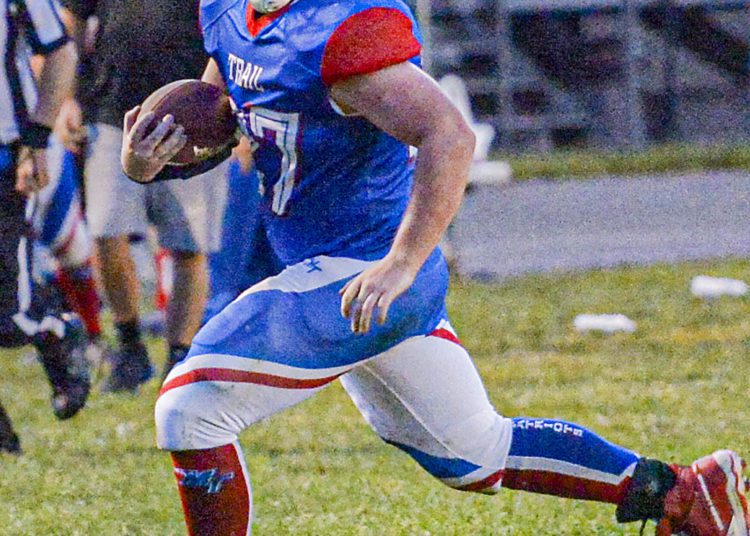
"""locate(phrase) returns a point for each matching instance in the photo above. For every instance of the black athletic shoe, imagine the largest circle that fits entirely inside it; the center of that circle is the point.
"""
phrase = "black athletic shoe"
(8, 439)
(706, 498)
(10, 443)
(64, 361)
(131, 368)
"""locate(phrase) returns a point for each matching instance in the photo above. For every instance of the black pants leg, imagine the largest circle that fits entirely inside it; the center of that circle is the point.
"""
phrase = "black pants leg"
(22, 310)
(8, 438)
(15, 264)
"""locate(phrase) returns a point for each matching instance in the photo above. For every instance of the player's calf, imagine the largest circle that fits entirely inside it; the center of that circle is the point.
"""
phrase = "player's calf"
(208, 465)
(214, 490)
(78, 287)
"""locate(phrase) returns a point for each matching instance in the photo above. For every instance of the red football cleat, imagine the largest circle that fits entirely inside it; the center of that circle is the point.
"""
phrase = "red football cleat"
(708, 498)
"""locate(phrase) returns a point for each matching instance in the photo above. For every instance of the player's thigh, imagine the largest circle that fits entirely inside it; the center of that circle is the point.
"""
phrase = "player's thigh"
(261, 354)
(275, 345)
(294, 318)
(426, 397)
(252, 360)
(188, 214)
(115, 205)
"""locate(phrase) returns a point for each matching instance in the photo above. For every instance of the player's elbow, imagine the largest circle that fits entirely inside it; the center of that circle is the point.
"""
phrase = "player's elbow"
(465, 138)
(458, 141)
(456, 132)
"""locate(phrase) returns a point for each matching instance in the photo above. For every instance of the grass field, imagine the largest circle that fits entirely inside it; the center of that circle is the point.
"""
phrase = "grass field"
(665, 158)
(675, 389)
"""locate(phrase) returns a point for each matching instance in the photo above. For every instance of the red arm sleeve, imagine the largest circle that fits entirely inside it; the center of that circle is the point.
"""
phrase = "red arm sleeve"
(367, 42)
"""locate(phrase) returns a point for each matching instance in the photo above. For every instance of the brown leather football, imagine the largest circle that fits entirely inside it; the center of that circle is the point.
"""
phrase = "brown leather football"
(204, 112)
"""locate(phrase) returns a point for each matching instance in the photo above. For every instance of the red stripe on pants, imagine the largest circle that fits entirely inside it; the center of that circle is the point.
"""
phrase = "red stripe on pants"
(244, 376)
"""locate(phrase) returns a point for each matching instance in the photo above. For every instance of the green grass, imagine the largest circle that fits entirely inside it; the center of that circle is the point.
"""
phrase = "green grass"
(675, 389)
(657, 159)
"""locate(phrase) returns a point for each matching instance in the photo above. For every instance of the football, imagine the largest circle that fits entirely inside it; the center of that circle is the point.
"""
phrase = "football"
(202, 109)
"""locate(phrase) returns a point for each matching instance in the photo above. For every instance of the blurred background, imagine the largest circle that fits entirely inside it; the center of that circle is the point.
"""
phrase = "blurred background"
(596, 73)
(647, 101)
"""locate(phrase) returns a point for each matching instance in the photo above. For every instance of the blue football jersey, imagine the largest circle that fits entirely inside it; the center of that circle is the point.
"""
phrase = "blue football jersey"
(332, 184)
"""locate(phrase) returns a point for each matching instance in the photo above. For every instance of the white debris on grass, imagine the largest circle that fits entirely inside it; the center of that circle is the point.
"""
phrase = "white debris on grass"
(124, 429)
(607, 323)
(706, 287)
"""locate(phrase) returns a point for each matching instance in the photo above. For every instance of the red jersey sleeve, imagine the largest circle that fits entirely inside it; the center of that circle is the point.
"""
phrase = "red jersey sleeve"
(367, 42)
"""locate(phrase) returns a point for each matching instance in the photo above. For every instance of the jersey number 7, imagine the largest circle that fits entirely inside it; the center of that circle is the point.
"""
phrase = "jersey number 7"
(261, 124)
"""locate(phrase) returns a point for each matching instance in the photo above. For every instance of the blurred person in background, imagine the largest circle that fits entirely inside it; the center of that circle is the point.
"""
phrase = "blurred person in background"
(124, 66)
(27, 114)
(63, 246)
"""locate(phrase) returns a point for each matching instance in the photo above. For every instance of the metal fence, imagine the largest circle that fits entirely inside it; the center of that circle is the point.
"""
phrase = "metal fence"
(597, 73)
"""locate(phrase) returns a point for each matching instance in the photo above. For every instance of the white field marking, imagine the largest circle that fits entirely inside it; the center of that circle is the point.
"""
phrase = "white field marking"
(735, 485)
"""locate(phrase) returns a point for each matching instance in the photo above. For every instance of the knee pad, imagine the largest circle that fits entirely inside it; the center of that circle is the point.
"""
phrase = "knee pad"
(186, 419)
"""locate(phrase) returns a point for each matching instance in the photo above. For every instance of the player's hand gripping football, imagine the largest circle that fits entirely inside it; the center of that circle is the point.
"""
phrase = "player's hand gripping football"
(147, 149)
(374, 290)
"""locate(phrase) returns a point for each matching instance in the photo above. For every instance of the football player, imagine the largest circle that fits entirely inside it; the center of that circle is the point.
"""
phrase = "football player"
(63, 245)
(67, 245)
(332, 93)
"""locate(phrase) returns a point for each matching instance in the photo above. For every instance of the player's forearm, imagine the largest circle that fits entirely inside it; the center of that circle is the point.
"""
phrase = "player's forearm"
(55, 84)
(440, 177)
(212, 75)
(76, 29)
